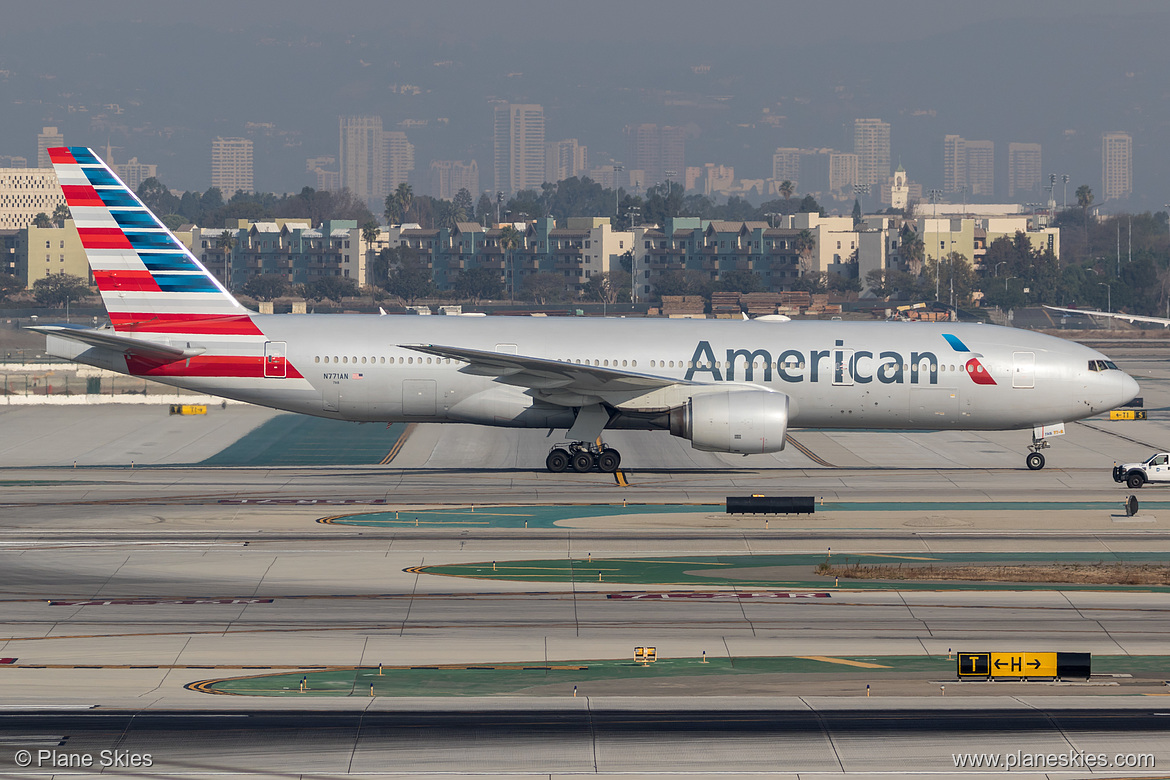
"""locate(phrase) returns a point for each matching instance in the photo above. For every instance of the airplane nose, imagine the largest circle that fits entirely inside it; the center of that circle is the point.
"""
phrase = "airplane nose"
(1128, 390)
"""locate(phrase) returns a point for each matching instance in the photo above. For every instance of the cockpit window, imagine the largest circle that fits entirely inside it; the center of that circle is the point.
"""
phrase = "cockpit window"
(1102, 365)
(1111, 364)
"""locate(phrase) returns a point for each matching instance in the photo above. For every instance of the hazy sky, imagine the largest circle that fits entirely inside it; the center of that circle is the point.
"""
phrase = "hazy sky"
(1058, 72)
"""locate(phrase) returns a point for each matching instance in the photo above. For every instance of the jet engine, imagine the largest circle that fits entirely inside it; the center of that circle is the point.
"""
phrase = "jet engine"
(745, 421)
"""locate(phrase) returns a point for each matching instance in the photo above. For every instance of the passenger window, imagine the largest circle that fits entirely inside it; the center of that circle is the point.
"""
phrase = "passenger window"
(317, 359)
(345, 360)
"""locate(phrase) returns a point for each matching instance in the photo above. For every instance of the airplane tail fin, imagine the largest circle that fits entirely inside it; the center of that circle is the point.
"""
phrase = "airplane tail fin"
(149, 281)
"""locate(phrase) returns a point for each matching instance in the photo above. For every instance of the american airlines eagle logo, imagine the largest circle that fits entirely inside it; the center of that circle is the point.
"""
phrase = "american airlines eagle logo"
(979, 375)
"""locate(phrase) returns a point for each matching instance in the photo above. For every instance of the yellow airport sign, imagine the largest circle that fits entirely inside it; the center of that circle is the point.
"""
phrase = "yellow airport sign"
(1023, 664)
(188, 409)
(991, 666)
(1128, 414)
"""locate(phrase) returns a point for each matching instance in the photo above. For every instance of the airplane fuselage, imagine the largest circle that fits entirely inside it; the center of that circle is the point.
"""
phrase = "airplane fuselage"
(836, 374)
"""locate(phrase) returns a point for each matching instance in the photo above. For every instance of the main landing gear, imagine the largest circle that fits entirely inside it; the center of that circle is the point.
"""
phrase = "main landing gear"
(582, 456)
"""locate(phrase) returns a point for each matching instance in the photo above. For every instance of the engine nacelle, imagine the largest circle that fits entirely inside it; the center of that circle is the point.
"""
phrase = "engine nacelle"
(746, 421)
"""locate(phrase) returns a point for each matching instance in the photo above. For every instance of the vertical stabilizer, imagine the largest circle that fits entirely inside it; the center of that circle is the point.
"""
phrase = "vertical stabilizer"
(149, 281)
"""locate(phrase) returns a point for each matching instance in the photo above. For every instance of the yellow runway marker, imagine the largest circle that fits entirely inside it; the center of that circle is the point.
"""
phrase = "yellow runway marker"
(393, 453)
(620, 477)
(843, 662)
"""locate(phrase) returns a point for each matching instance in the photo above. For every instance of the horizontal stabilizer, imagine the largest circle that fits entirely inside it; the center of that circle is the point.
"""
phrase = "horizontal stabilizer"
(126, 345)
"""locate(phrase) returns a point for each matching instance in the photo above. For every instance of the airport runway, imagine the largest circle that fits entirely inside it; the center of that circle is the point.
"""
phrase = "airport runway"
(123, 585)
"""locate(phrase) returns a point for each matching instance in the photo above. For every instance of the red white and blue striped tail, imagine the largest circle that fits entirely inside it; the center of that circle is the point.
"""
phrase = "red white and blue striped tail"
(149, 281)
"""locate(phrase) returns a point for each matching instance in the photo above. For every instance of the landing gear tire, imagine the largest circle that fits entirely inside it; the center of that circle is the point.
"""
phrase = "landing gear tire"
(609, 461)
(557, 461)
(1135, 481)
(582, 462)
(1035, 461)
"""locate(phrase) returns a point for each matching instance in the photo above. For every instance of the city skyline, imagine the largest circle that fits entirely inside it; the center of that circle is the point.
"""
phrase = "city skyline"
(440, 89)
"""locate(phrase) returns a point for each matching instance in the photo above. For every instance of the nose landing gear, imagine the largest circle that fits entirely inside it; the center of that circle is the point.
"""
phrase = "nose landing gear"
(581, 457)
(1040, 436)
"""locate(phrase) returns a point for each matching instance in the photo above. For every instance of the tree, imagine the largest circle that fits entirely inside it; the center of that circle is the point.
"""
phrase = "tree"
(60, 214)
(483, 209)
(740, 281)
(464, 205)
(405, 274)
(543, 288)
(9, 284)
(683, 282)
(1084, 200)
(856, 211)
(59, 289)
(805, 244)
(399, 203)
(609, 287)
(42, 220)
(664, 202)
(476, 284)
(226, 243)
(510, 240)
(786, 190)
(370, 233)
(156, 197)
(266, 287)
(332, 288)
(809, 205)
(913, 250)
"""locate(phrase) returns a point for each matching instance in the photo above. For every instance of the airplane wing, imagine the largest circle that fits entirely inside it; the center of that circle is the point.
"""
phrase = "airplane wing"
(549, 375)
(1164, 322)
(110, 340)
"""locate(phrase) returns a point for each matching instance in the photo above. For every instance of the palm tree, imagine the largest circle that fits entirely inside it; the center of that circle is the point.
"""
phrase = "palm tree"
(42, 220)
(226, 241)
(510, 239)
(404, 197)
(60, 214)
(1084, 200)
(787, 190)
(370, 233)
(805, 244)
(913, 251)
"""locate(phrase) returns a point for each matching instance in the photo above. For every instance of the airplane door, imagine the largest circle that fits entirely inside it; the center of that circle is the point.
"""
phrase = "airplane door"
(275, 362)
(418, 397)
(842, 365)
(1024, 369)
(331, 397)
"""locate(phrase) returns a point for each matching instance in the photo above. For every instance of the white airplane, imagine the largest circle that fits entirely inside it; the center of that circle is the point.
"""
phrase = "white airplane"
(726, 385)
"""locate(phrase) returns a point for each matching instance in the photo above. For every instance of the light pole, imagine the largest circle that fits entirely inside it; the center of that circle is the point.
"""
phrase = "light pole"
(997, 265)
(616, 170)
(859, 190)
(1108, 296)
(1064, 178)
(935, 196)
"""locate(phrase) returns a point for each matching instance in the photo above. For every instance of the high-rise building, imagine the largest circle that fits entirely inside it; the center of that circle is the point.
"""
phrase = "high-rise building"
(26, 192)
(133, 173)
(786, 165)
(1117, 165)
(843, 173)
(399, 159)
(46, 140)
(518, 147)
(564, 160)
(954, 163)
(231, 165)
(450, 176)
(660, 152)
(362, 156)
(871, 144)
(1024, 169)
(981, 168)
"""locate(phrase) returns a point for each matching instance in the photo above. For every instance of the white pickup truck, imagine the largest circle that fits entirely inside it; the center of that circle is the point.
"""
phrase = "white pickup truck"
(1156, 468)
